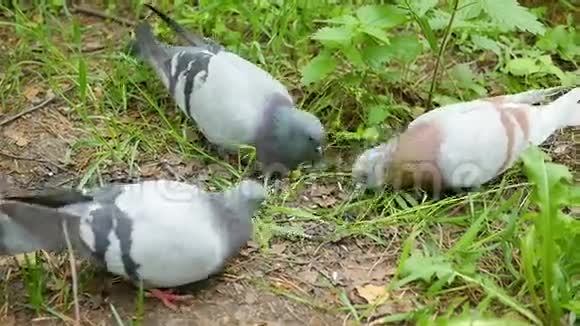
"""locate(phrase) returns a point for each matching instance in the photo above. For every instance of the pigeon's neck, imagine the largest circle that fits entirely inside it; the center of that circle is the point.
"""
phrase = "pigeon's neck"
(388, 149)
(234, 219)
(279, 115)
(236, 202)
(274, 129)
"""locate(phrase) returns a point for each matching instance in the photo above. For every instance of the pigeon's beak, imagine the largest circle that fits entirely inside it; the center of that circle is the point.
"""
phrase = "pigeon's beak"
(319, 150)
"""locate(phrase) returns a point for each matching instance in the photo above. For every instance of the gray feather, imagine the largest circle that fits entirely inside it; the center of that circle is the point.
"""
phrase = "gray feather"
(53, 198)
(27, 227)
(147, 48)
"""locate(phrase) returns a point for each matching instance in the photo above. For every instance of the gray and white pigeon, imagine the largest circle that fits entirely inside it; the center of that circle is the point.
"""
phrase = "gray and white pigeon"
(464, 145)
(164, 233)
(233, 101)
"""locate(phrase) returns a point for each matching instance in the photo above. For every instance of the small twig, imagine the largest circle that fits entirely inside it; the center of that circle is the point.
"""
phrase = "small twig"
(32, 159)
(92, 49)
(100, 14)
(34, 108)
(171, 171)
(440, 55)
(73, 271)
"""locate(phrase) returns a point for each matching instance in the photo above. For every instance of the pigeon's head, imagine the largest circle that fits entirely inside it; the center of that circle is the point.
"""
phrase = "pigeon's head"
(304, 136)
(370, 168)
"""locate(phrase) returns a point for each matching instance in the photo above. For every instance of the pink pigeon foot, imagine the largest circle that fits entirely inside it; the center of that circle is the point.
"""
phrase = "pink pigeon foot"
(167, 297)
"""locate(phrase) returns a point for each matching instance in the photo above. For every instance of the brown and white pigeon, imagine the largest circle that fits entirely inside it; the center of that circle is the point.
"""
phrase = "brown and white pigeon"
(233, 101)
(464, 145)
(164, 233)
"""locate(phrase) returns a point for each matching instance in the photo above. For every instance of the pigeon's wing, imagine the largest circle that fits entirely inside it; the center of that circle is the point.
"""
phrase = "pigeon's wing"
(476, 147)
(260, 79)
(446, 111)
(26, 227)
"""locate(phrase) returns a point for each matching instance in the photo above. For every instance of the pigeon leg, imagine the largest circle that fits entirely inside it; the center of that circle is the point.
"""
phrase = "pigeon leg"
(276, 183)
(167, 297)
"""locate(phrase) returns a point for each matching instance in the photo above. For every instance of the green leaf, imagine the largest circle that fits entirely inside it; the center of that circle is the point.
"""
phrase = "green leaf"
(371, 134)
(402, 47)
(420, 7)
(509, 15)
(405, 47)
(469, 10)
(485, 43)
(376, 32)
(377, 115)
(381, 16)
(575, 195)
(419, 267)
(561, 40)
(522, 66)
(547, 65)
(473, 321)
(353, 55)
(377, 55)
(550, 193)
(318, 68)
(341, 35)
(440, 20)
(347, 20)
(466, 79)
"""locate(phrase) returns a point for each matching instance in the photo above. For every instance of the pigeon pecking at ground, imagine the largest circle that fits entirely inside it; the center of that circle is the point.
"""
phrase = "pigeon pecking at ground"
(163, 233)
(233, 101)
(463, 145)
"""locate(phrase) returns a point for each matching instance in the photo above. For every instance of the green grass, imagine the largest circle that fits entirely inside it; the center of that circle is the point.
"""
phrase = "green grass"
(366, 71)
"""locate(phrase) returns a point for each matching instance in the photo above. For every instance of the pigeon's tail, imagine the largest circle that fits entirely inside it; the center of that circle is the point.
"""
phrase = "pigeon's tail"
(566, 109)
(53, 198)
(145, 45)
(26, 227)
(147, 48)
(190, 38)
(561, 113)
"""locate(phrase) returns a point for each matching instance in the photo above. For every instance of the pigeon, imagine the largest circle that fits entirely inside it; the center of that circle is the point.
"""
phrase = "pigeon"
(233, 102)
(464, 145)
(159, 232)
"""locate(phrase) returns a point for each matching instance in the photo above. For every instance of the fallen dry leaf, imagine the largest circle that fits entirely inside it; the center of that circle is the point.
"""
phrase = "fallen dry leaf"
(251, 297)
(319, 190)
(278, 248)
(21, 259)
(561, 149)
(17, 137)
(8, 321)
(325, 201)
(150, 169)
(371, 292)
(308, 276)
(31, 92)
